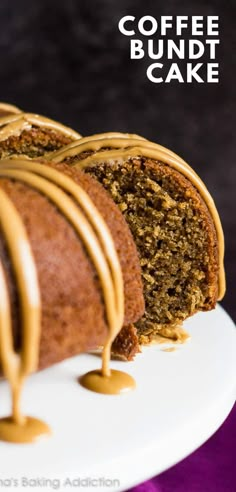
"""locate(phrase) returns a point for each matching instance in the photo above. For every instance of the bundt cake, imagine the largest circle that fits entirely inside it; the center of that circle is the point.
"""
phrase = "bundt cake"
(173, 220)
(69, 277)
(80, 271)
(32, 135)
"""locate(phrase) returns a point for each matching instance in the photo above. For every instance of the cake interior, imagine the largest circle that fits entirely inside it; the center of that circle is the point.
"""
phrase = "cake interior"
(34, 142)
(174, 236)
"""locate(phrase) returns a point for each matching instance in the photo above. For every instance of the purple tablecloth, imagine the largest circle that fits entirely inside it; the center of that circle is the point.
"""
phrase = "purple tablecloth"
(212, 468)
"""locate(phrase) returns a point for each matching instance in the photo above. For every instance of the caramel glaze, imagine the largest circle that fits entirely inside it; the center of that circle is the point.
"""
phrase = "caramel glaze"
(117, 382)
(80, 211)
(169, 349)
(15, 124)
(98, 136)
(121, 149)
(175, 335)
(15, 366)
(9, 108)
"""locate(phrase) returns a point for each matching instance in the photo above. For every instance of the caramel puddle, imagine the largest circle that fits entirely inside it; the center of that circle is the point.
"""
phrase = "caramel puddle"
(29, 431)
(114, 384)
(169, 349)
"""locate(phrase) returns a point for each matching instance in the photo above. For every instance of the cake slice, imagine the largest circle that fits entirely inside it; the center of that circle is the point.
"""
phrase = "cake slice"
(69, 281)
(173, 220)
(74, 318)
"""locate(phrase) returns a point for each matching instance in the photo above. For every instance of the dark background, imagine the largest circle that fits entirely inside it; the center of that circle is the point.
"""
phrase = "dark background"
(67, 60)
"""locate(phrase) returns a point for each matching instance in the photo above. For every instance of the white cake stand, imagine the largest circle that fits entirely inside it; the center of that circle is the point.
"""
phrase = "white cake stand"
(114, 442)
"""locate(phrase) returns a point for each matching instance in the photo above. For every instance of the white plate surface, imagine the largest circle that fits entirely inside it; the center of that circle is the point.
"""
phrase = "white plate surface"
(114, 442)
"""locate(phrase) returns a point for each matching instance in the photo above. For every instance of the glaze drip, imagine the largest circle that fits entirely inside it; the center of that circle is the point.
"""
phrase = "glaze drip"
(17, 366)
(74, 203)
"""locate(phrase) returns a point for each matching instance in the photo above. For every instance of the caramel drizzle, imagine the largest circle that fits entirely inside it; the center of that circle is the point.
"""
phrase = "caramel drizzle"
(98, 136)
(128, 148)
(92, 230)
(15, 124)
(113, 143)
(16, 366)
(10, 107)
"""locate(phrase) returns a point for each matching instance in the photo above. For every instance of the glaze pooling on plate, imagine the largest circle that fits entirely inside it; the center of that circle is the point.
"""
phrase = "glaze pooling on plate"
(158, 437)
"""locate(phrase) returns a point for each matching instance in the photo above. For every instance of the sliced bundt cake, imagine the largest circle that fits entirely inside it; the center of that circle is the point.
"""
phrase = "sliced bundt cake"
(173, 220)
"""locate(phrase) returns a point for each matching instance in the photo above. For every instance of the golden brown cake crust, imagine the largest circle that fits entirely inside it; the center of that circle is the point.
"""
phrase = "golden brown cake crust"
(126, 344)
(72, 306)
